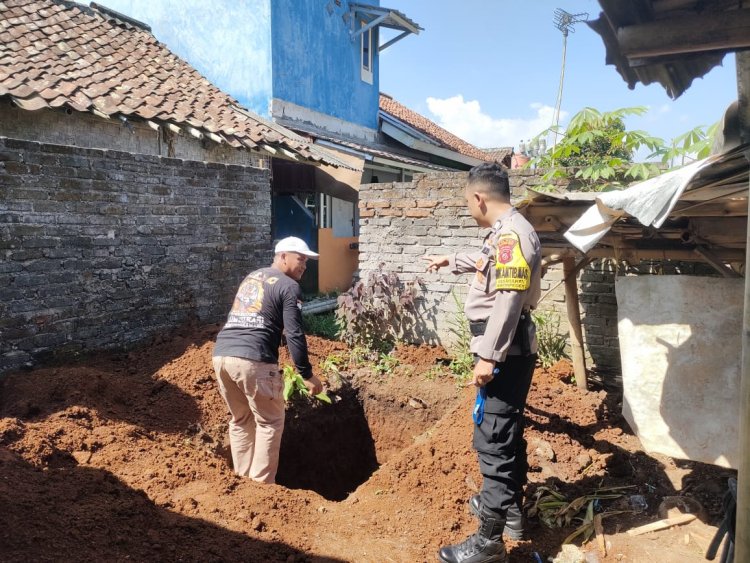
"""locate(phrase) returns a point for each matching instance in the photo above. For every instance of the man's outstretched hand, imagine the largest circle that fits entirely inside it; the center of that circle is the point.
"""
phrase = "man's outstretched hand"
(314, 385)
(435, 262)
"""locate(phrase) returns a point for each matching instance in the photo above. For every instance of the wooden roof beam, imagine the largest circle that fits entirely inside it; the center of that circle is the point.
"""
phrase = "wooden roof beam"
(723, 31)
(726, 255)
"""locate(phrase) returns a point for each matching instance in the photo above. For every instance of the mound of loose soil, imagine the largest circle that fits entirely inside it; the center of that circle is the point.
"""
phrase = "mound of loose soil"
(124, 456)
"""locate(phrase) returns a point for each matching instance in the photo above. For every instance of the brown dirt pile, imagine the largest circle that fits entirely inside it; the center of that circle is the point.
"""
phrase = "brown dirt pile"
(123, 456)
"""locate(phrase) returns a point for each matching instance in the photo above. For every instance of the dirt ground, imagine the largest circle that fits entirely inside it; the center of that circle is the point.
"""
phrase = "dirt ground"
(124, 457)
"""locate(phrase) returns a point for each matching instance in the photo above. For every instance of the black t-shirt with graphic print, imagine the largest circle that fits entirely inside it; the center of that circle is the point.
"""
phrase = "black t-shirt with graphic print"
(267, 303)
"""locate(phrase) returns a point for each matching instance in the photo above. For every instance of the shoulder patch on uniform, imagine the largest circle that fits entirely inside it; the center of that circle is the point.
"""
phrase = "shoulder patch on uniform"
(271, 281)
(512, 270)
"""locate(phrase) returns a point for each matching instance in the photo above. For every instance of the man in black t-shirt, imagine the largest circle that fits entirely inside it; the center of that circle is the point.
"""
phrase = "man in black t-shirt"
(246, 357)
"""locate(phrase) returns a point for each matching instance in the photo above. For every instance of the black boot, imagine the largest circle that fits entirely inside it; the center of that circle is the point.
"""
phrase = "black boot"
(485, 546)
(513, 519)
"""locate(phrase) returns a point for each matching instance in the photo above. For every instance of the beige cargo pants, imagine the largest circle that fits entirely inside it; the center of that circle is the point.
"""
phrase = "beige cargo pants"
(253, 393)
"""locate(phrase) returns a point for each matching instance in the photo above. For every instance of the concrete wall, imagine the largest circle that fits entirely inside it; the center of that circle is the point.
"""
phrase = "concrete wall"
(101, 248)
(315, 63)
(227, 41)
(338, 261)
(682, 346)
(401, 222)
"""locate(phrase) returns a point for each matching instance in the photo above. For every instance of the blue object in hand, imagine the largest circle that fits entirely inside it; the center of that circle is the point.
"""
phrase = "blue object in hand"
(478, 413)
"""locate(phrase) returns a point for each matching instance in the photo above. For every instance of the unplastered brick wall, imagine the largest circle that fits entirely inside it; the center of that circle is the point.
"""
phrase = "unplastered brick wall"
(596, 295)
(102, 249)
(401, 222)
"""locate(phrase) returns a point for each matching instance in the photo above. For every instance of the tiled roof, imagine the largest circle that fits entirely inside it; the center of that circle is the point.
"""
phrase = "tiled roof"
(422, 124)
(55, 53)
(498, 154)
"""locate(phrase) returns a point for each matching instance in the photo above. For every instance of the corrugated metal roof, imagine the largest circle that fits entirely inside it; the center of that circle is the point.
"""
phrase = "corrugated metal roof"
(383, 152)
(676, 72)
(708, 210)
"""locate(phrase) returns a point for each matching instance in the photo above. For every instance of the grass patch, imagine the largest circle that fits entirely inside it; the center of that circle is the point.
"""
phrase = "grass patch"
(321, 324)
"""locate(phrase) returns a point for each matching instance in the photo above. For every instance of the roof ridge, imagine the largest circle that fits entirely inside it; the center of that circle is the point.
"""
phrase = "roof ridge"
(118, 17)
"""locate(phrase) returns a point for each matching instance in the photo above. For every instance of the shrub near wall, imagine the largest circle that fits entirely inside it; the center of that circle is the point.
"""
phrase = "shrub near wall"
(101, 249)
(401, 222)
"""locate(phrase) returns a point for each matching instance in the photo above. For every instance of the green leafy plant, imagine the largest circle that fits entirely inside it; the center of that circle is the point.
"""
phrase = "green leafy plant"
(332, 363)
(331, 367)
(358, 355)
(462, 360)
(434, 372)
(385, 363)
(601, 149)
(321, 324)
(375, 313)
(294, 385)
(549, 338)
(691, 145)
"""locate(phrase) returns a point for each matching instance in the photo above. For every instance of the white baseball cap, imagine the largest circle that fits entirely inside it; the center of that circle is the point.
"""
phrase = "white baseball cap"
(294, 244)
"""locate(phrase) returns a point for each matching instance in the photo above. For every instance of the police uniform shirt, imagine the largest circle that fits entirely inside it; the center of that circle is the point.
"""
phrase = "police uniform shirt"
(507, 281)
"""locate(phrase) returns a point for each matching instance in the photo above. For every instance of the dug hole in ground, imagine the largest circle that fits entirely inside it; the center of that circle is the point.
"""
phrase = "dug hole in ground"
(124, 457)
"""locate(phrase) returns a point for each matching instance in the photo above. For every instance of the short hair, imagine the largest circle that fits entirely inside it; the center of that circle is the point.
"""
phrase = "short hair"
(494, 179)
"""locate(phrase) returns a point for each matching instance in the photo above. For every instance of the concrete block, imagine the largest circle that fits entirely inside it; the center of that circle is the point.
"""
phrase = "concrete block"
(673, 381)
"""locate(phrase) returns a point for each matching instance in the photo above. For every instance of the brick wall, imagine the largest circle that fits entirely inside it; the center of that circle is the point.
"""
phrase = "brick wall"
(101, 249)
(401, 222)
(596, 295)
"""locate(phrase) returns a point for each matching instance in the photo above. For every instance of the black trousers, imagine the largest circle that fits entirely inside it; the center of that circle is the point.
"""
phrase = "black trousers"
(498, 440)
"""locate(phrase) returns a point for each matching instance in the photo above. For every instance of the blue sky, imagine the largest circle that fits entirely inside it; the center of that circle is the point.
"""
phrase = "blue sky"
(488, 70)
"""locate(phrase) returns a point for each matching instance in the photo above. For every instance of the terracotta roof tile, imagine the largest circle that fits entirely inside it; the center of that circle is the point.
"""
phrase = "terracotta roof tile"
(422, 124)
(55, 53)
(499, 154)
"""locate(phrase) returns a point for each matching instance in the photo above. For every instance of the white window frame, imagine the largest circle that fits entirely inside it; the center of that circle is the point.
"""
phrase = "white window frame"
(325, 219)
(365, 48)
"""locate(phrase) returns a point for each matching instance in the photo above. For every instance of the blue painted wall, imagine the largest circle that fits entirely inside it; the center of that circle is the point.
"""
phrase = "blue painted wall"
(316, 65)
(227, 41)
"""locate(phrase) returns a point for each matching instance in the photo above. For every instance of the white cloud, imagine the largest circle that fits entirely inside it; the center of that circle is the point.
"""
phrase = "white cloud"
(466, 119)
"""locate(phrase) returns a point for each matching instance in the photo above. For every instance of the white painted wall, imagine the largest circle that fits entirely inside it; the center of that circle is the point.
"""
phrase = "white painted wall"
(680, 342)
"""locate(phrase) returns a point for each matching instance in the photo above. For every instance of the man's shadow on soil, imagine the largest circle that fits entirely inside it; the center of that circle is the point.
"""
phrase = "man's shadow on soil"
(105, 520)
(642, 474)
(645, 474)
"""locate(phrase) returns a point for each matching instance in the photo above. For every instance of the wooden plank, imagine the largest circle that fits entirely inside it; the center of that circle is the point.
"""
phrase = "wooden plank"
(716, 263)
(599, 531)
(634, 255)
(574, 320)
(709, 31)
(742, 536)
(662, 524)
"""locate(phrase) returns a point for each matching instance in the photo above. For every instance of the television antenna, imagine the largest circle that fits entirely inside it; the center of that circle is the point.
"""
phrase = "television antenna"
(564, 21)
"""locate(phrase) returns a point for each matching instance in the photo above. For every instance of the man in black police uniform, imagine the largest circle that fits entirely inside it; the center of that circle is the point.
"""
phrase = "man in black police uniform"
(505, 287)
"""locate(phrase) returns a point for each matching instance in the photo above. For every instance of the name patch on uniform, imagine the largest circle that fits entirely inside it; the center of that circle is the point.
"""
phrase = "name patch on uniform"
(512, 272)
